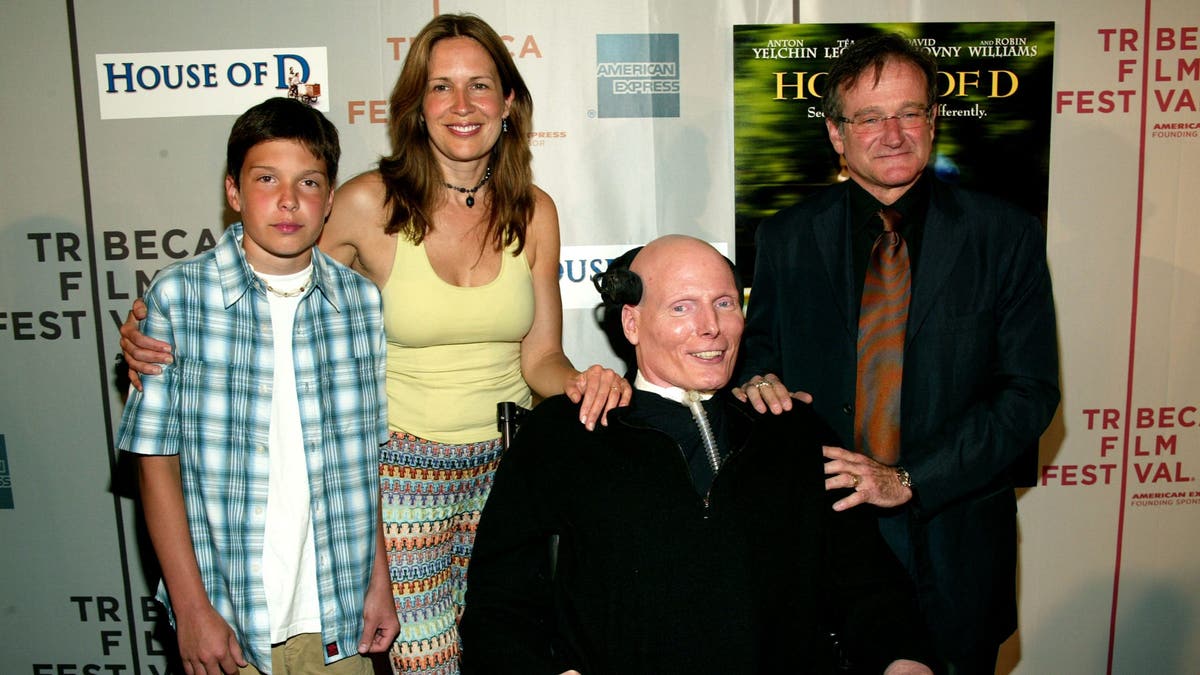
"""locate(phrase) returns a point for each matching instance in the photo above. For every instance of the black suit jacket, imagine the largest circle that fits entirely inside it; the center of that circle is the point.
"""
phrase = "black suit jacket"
(651, 579)
(980, 382)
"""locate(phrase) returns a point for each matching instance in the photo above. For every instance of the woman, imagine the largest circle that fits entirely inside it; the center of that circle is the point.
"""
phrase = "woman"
(465, 251)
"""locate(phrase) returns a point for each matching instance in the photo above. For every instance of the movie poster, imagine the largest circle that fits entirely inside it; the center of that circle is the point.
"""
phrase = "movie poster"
(995, 95)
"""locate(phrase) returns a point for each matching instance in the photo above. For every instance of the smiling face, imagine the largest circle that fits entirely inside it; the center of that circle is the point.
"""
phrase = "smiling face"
(687, 327)
(464, 101)
(284, 196)
(887, 162)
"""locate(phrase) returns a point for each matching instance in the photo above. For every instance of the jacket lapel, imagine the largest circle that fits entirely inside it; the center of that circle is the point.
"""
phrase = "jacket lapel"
(941, 245)
(831, 230)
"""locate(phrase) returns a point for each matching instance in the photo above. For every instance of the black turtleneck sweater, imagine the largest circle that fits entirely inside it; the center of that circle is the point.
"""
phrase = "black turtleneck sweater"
(676, 420)
(653, 578)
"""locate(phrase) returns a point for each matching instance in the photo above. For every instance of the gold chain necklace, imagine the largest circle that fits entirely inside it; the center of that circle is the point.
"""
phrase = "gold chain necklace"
(288, 294)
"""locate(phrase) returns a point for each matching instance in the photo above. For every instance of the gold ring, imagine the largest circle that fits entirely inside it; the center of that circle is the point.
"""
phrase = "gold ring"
(856, 479)
(761, 383)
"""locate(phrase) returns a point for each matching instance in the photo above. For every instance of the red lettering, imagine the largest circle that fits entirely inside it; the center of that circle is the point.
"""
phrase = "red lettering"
(1108, 443)
(1184, 69)
(379, 112)
(1145, 418)
(376, 111)
(1162, 445)
(1087, 101)
(1109, 417)
(1167, 417)
(354, 109)
(395, 42)
(1125, 67)
(1161, 471)
(1075, 474)
(1190, 412)
(1165, 38)
(1127, 40)
(1185, 101)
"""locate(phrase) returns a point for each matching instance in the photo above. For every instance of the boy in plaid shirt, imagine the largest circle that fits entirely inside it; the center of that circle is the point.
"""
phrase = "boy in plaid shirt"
(258, 445)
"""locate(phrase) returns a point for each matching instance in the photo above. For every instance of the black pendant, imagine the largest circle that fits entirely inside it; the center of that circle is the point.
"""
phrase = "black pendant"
(470, 192)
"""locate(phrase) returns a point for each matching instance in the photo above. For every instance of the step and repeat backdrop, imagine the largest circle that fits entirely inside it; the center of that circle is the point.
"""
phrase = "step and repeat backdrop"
(652, 117)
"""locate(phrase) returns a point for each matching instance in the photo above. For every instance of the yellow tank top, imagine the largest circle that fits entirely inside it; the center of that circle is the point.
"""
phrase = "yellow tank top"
(453, 352)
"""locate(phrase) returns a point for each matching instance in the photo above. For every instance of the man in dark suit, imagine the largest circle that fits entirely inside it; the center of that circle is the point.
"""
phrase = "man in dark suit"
(974, 361)
(695, 535)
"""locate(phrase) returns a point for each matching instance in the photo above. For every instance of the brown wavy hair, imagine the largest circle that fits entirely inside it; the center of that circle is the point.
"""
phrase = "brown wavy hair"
(875, 52)
(411, 176)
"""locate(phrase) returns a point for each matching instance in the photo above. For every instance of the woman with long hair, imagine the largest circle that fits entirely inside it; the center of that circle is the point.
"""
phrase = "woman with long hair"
(465, 250)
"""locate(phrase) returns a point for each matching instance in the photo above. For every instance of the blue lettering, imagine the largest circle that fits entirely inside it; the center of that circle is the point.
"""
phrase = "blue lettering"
(578, 276)
(234, 79)
(260, 71)
(113, 77)
(167, 76)
(193, 75)
(141, 77)
(586, 268)
(210, 75)
(281, 68)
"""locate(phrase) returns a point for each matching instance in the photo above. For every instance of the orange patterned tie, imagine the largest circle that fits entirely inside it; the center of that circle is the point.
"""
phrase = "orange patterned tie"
(881, 325)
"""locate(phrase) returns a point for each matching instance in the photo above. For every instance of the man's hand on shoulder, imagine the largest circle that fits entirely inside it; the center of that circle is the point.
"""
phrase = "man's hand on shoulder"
(767, 392)
(597, 390)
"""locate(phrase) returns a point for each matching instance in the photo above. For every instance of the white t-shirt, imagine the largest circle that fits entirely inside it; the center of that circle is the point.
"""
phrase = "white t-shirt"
(289, 559)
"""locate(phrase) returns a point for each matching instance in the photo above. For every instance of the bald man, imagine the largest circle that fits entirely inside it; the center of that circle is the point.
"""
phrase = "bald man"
(695, 534)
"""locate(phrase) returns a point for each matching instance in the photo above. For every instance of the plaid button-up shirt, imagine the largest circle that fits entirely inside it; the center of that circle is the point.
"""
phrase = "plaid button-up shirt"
(212, 407)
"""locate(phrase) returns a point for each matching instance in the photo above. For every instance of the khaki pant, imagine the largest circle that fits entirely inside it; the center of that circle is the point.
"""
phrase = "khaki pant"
(305, 655)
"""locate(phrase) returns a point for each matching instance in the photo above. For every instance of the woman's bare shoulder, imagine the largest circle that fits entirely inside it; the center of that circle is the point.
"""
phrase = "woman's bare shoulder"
(355, 231)
(542, 232)
(363, 193)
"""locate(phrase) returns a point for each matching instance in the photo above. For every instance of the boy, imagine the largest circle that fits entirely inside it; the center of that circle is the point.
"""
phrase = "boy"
(258, 446)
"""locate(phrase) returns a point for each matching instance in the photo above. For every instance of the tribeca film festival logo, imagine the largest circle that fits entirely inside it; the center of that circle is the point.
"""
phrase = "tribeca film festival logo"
(637, 75)
(213, 82)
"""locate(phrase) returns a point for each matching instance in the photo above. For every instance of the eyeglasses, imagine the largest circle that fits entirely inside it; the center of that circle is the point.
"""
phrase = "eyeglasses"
(868, 124)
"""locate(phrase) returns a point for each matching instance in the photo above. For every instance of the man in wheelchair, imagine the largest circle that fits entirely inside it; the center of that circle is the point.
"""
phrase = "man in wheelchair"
(694, 534)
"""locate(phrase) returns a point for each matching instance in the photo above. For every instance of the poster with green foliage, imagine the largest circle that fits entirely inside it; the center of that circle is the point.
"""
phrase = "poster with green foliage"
(995, 96)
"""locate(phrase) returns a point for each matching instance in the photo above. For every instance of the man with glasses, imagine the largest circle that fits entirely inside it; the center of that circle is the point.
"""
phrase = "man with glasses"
(919, 317)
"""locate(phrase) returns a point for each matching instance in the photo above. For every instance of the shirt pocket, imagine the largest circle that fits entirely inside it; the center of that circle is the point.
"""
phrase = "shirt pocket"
(349, 392)
(219, 402)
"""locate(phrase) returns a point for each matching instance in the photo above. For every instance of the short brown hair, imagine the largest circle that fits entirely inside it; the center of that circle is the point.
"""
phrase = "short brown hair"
(282, 119)
(875, 52)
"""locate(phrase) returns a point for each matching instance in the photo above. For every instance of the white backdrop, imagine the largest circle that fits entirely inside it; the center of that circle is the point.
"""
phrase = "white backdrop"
(92, 203)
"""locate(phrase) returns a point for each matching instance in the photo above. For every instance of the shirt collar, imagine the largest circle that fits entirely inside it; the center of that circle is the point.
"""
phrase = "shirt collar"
(669, 393)
(911, 205)
(237, 278)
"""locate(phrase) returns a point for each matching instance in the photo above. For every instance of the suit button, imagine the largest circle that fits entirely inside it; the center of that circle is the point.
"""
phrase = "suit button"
(848, 409)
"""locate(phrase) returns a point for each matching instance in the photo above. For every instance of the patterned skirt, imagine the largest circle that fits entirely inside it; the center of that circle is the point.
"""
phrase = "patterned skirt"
(432, 496)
